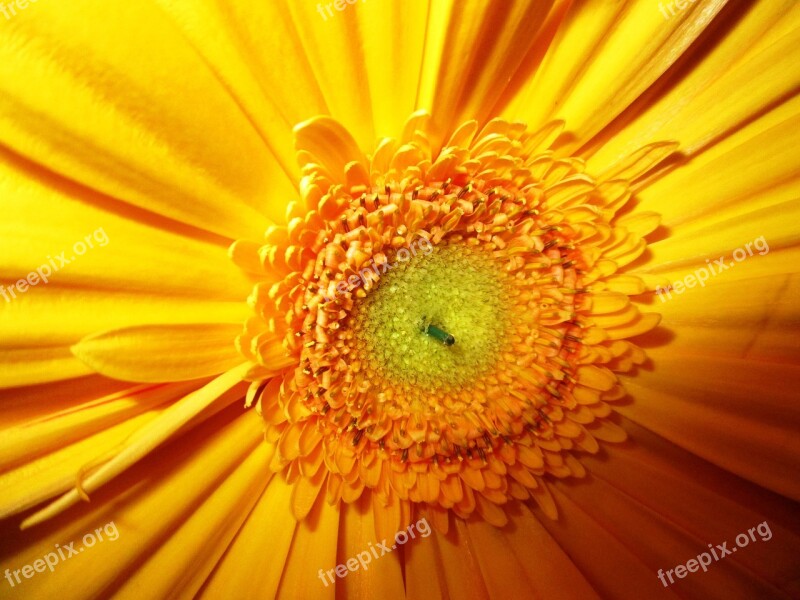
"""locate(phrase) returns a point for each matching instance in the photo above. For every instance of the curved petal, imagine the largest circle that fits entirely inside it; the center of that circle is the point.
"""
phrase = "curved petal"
(161, 492)
(159, 353)
(84, 239)
(749, 62)
(161, 134)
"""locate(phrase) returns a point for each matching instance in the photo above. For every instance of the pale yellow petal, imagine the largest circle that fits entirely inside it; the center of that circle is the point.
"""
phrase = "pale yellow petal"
(158, 353)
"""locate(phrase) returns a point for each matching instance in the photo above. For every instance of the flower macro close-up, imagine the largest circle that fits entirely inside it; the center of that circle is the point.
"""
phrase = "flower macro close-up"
(403, 299)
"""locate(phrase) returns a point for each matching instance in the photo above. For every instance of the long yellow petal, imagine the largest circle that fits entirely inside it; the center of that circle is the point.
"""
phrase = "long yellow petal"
(85, 239)
(158, 353)
(162, 492)
(60, 315)
(116, 125)
(33, 366)
(241, 569)
(144, 441)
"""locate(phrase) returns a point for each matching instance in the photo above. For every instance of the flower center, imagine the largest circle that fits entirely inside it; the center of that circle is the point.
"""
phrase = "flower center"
(435, 323)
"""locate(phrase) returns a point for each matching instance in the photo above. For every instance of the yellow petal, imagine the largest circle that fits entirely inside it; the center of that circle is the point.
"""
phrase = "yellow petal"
(74, 411)
(654, 490)
(383, 578)
(332, 46)
(60, 315)
(216, 521)
(144, 441)
(32, 366)
(163, 492)
(198, 160)
(241, 570)
(84, 239)
(491, 38)
(40, 479)
(753, 64)
(607, 55)
(313, 548)
(738, 414)
(330, 144)
(154, 353)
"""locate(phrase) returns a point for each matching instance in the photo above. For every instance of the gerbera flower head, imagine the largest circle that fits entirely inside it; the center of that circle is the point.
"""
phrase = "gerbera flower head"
(446, 325)
(453, 317)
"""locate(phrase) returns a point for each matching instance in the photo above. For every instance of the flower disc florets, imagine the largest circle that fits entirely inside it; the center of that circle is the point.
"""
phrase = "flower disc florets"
(453, 320)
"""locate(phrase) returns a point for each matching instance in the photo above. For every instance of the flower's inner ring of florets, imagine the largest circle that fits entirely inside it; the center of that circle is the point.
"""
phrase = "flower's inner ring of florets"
(498, 275)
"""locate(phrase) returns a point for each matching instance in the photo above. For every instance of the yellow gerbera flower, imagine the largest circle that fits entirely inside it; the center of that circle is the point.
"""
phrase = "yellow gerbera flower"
(334, 300)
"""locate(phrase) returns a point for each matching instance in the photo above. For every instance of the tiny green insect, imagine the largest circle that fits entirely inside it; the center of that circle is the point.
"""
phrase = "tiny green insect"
(436, 333)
